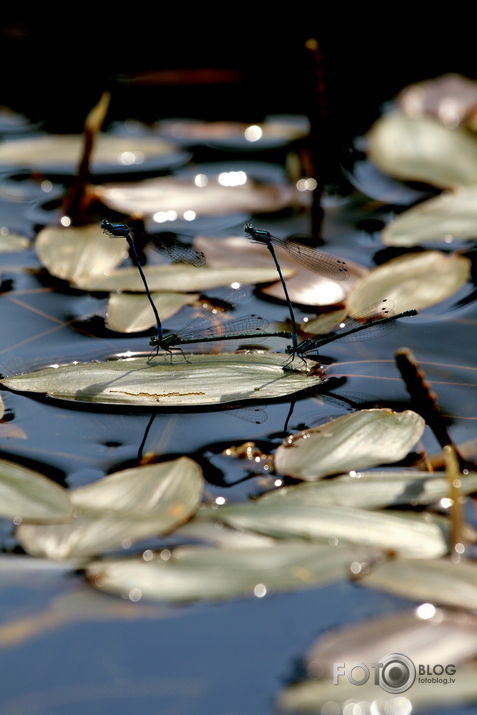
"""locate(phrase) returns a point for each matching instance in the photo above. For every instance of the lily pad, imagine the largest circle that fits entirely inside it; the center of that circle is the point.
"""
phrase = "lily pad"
(443, 581)
(313, 696)
(451, 99)
(122, 508)
(416, 536)
(11, 242)
(26, 494)
(127, 313)
(196, 573)
(203, 380)
(304, 286)
(174, 276)
(178, 195)
(444, 219)
(426, 635)
(60, 153)
(363, 439)
(2, 408)
(416, 280)
(423, 150)
(372, 490)
(79, 253)
(325, 323)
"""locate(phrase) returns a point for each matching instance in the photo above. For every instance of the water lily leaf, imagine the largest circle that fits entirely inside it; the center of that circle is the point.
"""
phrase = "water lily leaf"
(426, 635)
(10, 242)
(217, 534)
(423, 150)
(122, 508)
(173, 276)
(26, 494)
(312, 696)
(57, 153)
(156, 197)
(371, 490)
(325, 323)
(304, 286)
(445, 218)
(416, 536)
(452, 99)
(363, 439)
(78, 253)
(127, 313)
(2, 408)
(416, 280)
(197, 572)
(443, 581)
(203, 380)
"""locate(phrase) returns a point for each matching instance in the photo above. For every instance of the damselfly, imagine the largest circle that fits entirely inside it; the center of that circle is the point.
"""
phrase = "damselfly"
(245, 328)
(350, 328)
(313, 259)
(122, 230)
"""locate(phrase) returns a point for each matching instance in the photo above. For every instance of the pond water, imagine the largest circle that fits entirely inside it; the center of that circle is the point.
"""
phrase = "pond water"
(65, 648)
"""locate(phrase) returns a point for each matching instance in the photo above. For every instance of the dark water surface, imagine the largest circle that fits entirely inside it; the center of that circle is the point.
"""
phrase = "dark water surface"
(75, 651)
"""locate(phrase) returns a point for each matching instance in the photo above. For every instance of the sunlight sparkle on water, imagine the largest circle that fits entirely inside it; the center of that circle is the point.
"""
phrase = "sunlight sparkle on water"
(220, 501)
(201, 180)
(309, 184)
(235, 285)
(189, 215)
(278, 482)
(135, 595)
(425, 611)
(445, 503)
(46, 186)
(253, 133)
(260, 590)
(129, 157)
(232, 178)
(147, 555)
(65, 221)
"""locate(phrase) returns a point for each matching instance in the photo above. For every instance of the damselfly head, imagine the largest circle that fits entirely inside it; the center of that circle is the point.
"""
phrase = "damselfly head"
(257, 234)
(115, 229)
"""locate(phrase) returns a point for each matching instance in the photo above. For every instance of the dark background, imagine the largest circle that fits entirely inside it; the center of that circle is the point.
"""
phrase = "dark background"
(54, 65)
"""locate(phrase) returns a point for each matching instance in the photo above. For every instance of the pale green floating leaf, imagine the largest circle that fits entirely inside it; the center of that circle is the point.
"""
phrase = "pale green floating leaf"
(445, 218)
(63, 149)
(416, 536)
(325, 323)
(80, 252)
(217, 534)
(120, 509)
(194, 573)
(371, 490)
(11, 242)
(129, 313)
(423, 150)
(415, 280)
(173, 276)
(2, 408)
(312, 696)
(361, 440)
(426, 635)
(26, 494)
(442, 582)
(181, 194)
(204, 380)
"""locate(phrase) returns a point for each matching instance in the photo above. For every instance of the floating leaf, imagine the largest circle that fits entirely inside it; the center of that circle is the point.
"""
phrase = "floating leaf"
(133, 313)
(173, 276)
(423, 150)
(443, 582)
(79, 253)
(371, 490)
(304, 286)
(154, 197)
(11, 242)
(325, 323)
(206, 573)
(213, 532)
(445, 218)
(122, 508)
(26, 494)
(417, 536)
(203, 380)
(2, 408)
(61, 152)
(363, 439)
(426, 635)
(313, 696)
(452, 99)
(415, 280)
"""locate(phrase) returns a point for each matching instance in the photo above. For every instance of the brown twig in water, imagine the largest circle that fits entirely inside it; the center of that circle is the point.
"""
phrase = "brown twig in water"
(457, 547)
(423, 398)
(76, 199)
